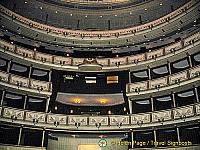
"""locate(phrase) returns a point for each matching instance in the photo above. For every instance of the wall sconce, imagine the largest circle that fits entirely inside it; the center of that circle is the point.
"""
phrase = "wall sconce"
(183, 117)
(56, 123)
(117, 64)
(35, 121)
(13, 117)
(157, 86)
(137, 90)
(98, 125)
(19, 84)
(140, 123)
(43, 59)
(177, 81)
(119, 124)
(99, 36)
(136, 61)
(172, 50)
(154, 56)
(40, 88)
(77, 124)
(161, 120)
(197, 73)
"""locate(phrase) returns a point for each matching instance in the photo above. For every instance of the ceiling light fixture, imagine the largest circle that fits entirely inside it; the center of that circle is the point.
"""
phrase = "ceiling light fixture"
(77, 100)
(103, 101)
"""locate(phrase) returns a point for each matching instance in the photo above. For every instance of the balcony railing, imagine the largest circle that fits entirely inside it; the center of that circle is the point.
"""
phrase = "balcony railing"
(27, 83)
(126, 61)
(149, 119)
(97, 34)
(158, 84)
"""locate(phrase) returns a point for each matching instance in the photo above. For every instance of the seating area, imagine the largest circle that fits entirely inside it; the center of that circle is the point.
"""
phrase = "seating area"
(158, 118)
(27, 84)
(99, 74)
(107, 63)
(97, 34)
(168, 81)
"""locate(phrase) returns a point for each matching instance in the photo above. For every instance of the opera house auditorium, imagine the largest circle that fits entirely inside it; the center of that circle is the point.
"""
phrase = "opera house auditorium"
(99, 74)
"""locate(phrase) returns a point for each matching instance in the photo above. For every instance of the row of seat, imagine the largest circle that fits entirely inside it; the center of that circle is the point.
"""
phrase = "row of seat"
(97, 34)
(164, 81)
(126, 60)
(22, 82)
(98, 121)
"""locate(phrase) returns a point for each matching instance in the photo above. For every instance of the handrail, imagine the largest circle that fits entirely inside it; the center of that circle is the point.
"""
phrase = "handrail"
(111, 121)
(28, 83)
(105, 62)
(162, 82)
(97, 34)
(159, 83)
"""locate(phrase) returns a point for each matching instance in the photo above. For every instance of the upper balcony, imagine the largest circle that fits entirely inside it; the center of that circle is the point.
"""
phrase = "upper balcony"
(167, 23)
(153, 58)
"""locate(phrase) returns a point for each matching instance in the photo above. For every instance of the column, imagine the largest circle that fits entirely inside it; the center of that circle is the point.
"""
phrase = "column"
(149, 73)
(155, 139)
(132, 139)
(130, 102)
(29, 74)
(2, 97)
(43, 137)
(50, 72)
(25, 101)
(47, 104)
(190, 60)
(196, 94)
(173, 100)
(20, 134)
(9, 64)
(129, 76)
(169, 67)
(178, 134)
(152, 104)
(50, 85)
